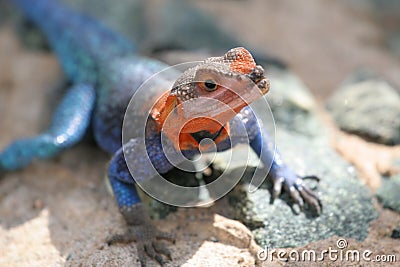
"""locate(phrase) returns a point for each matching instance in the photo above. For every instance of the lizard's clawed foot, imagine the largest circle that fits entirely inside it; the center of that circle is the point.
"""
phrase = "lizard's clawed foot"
(298, 191)
(147, 239)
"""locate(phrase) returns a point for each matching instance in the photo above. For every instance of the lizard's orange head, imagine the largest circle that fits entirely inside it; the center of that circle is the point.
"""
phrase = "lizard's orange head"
(207, 96)
(235, 71)
(220, 85)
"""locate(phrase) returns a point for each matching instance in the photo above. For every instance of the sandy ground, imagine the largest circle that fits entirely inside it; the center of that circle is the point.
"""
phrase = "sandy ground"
(59, 212)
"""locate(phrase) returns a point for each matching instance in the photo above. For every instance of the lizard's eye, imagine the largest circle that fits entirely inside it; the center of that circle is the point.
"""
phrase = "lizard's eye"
(210, 85)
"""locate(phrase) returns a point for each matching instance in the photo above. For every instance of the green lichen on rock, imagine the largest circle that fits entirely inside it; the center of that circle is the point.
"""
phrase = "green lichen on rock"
(369, 108)
(388, 194)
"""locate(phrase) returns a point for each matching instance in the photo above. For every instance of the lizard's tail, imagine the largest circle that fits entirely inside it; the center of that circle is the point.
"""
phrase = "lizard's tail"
(74, 36)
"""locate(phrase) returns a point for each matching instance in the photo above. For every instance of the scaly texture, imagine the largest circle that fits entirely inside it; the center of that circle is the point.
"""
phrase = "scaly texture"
(106, 73)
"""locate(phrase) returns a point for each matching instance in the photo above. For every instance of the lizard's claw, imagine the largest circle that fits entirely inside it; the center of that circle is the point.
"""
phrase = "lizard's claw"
(297, 190)
(147, 238)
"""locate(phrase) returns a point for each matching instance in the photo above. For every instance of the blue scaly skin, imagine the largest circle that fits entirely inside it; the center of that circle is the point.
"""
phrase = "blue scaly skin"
(106, 72)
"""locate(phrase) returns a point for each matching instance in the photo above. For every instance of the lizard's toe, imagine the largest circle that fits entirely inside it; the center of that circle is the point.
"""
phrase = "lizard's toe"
(120, 238)
(311, 177)
(166, 236)
(277, 188)
(162, 248)
(147, 239)
(311, 199)
(141, 255)
(296, 196)
(149, 248)
(297, 190)
(307, 195)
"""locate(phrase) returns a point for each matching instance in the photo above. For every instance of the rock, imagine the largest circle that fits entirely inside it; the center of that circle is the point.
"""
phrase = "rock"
(370, 109)
(386, 16)
(396, 233)
(292, 103)
(232, 232)
(348, 208)
(360, 75)
(380, 7)
(347, 203)
(388, 193)
(394, 43)
(377, 5)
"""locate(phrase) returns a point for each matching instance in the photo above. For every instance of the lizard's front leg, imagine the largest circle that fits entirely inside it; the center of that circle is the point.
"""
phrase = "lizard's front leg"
(139, 226)
(281, 175)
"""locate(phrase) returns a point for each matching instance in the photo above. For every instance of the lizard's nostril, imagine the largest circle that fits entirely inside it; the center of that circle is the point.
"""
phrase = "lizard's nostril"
(257, 74)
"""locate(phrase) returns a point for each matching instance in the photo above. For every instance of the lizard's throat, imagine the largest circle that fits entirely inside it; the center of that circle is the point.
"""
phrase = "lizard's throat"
(189, 135)
(185, 132)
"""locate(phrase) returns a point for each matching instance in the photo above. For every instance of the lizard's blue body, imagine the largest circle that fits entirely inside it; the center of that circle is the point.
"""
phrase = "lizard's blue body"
(105, 72)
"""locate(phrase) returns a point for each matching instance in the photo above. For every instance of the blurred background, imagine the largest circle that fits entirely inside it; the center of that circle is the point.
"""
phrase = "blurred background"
(327, 59)
(323, 41)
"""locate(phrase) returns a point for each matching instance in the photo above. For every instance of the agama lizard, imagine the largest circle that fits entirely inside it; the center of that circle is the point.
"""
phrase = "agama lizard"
(106, 72)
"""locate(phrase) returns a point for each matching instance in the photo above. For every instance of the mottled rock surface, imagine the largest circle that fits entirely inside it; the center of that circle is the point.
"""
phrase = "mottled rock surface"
(348, 208)
(388, 193)
(369, 108)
